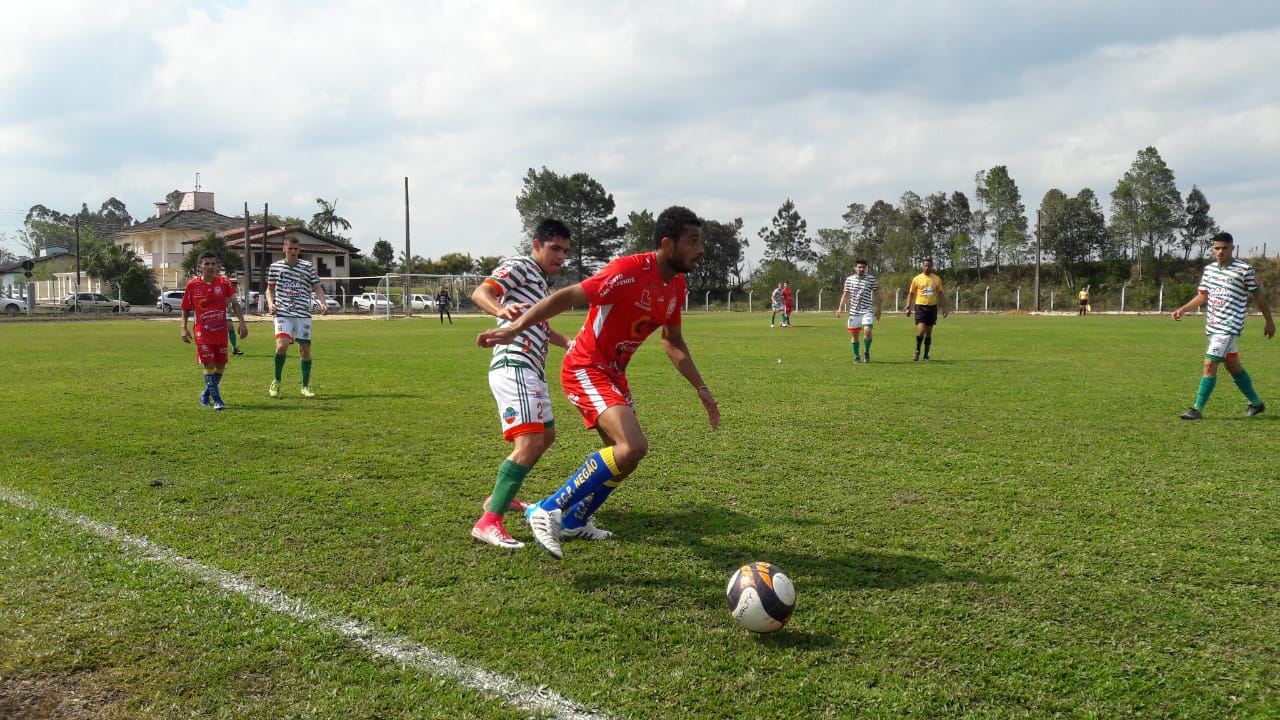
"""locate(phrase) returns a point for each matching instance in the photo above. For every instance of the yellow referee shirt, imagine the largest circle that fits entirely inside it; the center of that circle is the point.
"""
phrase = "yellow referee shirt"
(926, 288)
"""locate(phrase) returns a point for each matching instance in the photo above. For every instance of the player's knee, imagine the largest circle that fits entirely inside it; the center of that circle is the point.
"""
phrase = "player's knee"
(628, 455)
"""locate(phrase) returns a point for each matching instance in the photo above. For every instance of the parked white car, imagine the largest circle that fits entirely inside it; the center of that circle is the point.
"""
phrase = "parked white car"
(371, 301)
(422, 302)
(92, 302)
(332, 304)
(169, 301)
(12, 306)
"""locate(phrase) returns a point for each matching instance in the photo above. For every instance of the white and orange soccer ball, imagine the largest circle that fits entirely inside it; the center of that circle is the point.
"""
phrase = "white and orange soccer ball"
(761, 597)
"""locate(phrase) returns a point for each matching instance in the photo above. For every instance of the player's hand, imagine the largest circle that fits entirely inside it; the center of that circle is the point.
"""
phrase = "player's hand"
(1270, 329)
(243, 330)
(186, 336)
(711, 404)
(512, 311)
(495, 336)
(325, 309)
(1177, 315)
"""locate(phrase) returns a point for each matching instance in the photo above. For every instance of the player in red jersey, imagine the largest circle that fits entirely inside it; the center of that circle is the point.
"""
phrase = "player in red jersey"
(629, 299)
(208, 297)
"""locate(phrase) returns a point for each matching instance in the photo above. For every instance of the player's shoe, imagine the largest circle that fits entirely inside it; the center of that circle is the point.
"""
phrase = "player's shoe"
(494, 534)
(925, 358)
(546, 528)
(1256, 409)
(857, 358)
(915, 358)
(306, 391)
(237, 351)
(1192, 414)
(217, 402)
(204, 397)
(516, 505)
(867, 357)
(274, 388)
(586, 532)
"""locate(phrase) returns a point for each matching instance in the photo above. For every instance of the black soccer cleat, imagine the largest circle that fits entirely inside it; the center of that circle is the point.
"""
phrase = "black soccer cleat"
(1192, 414)
(1256, 409)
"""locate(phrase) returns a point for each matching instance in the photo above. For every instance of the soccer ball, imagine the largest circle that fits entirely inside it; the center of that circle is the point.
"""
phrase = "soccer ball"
(761, 597)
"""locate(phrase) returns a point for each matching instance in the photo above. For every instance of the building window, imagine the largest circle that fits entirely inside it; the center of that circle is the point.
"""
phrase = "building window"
(339, 260)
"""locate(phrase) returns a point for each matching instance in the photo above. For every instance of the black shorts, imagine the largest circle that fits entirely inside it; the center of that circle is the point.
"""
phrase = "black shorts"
(927, 315)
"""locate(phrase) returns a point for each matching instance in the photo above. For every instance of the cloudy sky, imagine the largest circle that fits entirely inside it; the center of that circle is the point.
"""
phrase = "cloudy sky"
(729, 107)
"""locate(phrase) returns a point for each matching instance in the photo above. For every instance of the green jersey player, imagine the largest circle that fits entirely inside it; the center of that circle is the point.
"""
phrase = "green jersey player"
(1225, 288)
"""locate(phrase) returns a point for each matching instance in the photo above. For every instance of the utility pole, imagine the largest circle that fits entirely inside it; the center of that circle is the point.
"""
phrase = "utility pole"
(76, 304)
(262, 290)
(1037, 261)
(248, 258)
(408, 258)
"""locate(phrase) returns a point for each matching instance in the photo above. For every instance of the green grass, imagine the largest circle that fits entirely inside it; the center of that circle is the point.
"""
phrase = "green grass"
(1021, 528)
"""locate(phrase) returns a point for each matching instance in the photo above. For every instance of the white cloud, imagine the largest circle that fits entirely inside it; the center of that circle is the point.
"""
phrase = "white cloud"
(728, 107)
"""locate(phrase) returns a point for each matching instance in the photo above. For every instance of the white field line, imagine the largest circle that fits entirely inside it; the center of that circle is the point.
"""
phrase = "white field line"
(379, 644)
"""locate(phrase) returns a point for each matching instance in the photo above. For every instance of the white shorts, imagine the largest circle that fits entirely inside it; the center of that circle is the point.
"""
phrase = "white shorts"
(865, 320)
(777, 307)
(297, 328)
(1221, 347)
(524, 402)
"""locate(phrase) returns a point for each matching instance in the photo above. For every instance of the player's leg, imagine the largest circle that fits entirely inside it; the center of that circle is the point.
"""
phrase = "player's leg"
(919, 333)
(931, 318)
(219, 366)
(620, 430)
(855, 340)
(867, 324)
(1217, 351)
(207, 395)
(1245, 383)
(284, 338)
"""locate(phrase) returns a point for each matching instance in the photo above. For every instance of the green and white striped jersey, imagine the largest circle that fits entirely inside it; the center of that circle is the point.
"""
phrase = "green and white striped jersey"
(1228, 290)
(522, 281)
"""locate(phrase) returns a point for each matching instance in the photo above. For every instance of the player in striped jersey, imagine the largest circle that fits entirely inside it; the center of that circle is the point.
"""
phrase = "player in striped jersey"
(863, 297)
(290, 283)
(517, 373)
(1225, 287)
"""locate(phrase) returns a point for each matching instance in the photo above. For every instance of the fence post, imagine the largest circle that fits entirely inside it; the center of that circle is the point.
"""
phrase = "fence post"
(986, 299)
(1017, 300)
(706, 301)
(1050, 299)
(957, 299)
(750, 296)
(730, 304)
(819, 301)
(896, 293)
(1122, 288)
(1160, 303)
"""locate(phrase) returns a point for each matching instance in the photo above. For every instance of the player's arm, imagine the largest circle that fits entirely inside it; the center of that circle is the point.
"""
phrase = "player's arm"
(875, 301)
(271, 298)
(186, 332)
(1270, 328)
(840, 305)
(1194, 303)
(678, 352)
(558, 338)
(237, 308)
(942, 300)
(319, 290)
(545, 309)
(911, 295)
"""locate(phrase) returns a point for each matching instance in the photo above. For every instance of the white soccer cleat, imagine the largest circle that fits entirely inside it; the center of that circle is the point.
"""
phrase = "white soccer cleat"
(273, 389)
(546, 529)
(586, 532)
(306, 391)
(495, 535)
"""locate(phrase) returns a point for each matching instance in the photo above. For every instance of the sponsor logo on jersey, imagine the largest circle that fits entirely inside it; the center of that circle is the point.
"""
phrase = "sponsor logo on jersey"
(509, 415)
(614, 282)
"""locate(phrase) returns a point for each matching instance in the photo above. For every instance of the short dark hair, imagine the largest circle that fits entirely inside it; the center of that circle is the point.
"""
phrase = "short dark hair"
(672, 222)
(209, 255)
(859, 261)
(1223, 237)
(550, 228)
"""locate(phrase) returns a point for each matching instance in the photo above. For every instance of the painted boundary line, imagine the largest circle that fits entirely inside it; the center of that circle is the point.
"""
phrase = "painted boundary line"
(381, 645)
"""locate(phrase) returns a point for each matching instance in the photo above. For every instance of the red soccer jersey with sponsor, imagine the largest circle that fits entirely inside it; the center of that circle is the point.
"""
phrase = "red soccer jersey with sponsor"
(628, 302)
(208, 303)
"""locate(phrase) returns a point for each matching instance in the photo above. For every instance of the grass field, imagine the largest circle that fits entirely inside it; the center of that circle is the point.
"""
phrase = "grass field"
(1021, 528)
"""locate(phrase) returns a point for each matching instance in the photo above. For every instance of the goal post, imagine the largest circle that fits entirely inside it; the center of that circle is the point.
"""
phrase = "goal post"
(411, 294)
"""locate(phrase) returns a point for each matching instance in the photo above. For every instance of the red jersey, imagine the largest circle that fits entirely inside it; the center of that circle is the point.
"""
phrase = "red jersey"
(208, 302)
(787, 298)
(628, 302)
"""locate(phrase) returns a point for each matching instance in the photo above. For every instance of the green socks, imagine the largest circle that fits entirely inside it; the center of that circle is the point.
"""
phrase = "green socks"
(279, 366)
(1206, 389)
(306, 373)
(511, 476)
(1245, 383)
